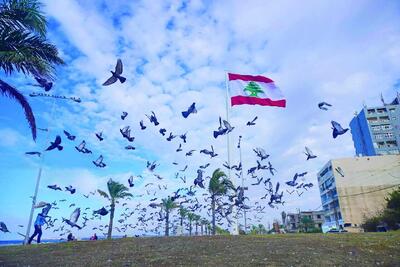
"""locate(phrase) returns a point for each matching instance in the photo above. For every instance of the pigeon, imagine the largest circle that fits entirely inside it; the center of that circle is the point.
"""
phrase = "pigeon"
(324, 105)
(221, 130)
(270, 168)
(204, 166)
(69, 136)
(54, 187)
(103, 211)
(228, 127)
(208, 152)
(34, 153)
(126, 133)
(190, 153)
(250, 123)
(81, 148)
(130, 147)
(179, 148)
(199, 179)
(293, 181)
(258, 181)
(124, 114)
(309, 185)
(116, 75)
(298, 193)
(130, 181)
(153, 118)
(142, 126)
(240, 139)
(302, 174)
(70, 189)
(184, 169)
(163, 131)
(337, 129)
(183, 137)
(151, 166)
(261, 153)
(100, 136)
(55, 144)
(190, 110)
(290, 192)
(41, 204)
(99, 162)
(73, 218)
(42, 82)
(309, 154)
(3, 227)
(170, 137)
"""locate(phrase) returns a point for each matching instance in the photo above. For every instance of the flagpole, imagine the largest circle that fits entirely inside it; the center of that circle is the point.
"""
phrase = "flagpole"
(236, 226)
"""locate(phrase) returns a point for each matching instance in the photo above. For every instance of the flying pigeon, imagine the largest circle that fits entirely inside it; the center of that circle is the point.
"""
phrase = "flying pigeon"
(261, 153)
(208, 152)
(179, 149)
(130, 181)
(41, 204)
(258, 181)
(81, 148)
(130, 147)
(324, 105)
(221, 130)
(34, 153)
(190, 153)
(142, 126)
(99, 162)
(126, 133)
(73, 219)
(124, 114)
(309, 154)
(151, 166)
(204, 166)
(199, 179)
(293, 181)
(55, 144)
(153, 118)
(170, 137)
(45, 84)
(116, 75)
(163, 131)
(3, 227)
(250, 123)
(184, 169)
(69, 136)
(54, 187)
(183, 137)
(100, 136)
(70, 189)
(103, 211)
(190, 110)
(337, 129)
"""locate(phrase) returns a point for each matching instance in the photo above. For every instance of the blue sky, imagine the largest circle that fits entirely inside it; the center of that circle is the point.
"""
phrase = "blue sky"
(176, 53)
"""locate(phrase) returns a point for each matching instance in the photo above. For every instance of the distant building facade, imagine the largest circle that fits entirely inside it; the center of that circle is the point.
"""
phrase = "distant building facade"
(352, 189)
(376, 130)
(293, 220)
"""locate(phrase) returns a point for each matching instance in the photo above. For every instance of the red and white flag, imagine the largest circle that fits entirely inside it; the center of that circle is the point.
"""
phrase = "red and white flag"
(254, 90)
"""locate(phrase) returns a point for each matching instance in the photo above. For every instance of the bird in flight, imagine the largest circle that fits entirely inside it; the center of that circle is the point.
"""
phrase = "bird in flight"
(337, 129)
(55, 144)
(45, 84)
(99, 162)
(142, 126)
(70, 189)
(190, 110)
(99, 136)
(116, 75)
(309, 154)
(261, 153)
(82, 148)
(54, 187)
(69, 136)
(126, 133)
(34, 153)
(324, 105)
(153, 118)
(252, 122)
(124, 114)
(73, 218)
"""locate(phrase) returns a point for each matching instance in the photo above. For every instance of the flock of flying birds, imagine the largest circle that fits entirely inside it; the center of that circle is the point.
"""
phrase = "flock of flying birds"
(192, 194)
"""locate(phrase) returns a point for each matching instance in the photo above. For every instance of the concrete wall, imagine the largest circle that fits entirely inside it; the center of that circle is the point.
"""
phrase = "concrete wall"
(366, 183)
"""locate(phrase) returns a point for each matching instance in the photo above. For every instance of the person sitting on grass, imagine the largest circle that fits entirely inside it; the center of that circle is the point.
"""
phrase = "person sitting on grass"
(94, 237)
(40, 220)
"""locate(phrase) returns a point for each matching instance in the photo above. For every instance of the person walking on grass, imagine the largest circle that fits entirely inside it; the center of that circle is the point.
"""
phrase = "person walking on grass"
(40, 220)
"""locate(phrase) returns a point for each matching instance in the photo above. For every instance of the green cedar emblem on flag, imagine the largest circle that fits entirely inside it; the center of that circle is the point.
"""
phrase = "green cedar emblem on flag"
(253, 88)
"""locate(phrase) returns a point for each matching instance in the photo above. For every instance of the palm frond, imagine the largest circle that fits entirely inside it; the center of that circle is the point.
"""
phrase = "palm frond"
(23, 15)
(103, 194)
(11, 92)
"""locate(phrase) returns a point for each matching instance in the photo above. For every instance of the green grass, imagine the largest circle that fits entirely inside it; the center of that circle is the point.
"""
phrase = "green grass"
(365, 249)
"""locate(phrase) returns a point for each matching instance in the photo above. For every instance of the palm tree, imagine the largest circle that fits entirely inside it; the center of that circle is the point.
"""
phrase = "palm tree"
(203, 222)
(24, 48)
(182, 213)
(116, 191)
(168, 205)
(197, 220)
(191, 216)
(218, 186)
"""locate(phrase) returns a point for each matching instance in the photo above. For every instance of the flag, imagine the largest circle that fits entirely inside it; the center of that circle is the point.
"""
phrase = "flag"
(254, 90)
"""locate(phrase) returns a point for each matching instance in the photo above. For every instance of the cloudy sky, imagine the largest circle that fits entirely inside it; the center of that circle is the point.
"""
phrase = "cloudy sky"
(176, 53)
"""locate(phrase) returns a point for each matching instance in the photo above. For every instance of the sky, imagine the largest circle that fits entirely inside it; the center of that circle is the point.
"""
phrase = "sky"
(176, 53)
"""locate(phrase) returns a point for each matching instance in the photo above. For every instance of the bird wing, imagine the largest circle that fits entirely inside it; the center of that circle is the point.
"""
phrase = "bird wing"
(75, 215)
(118, 67)
(308, 151)
(336, 125)
(110, 81)
(58, 140)
(226, 124)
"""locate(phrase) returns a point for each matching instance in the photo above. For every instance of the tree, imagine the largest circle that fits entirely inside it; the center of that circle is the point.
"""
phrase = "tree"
(219, 186)
(116, 191)
(197, 220)
(191, 216)
(24, 48)
(168, 205)
(182, 213)
(306, 223)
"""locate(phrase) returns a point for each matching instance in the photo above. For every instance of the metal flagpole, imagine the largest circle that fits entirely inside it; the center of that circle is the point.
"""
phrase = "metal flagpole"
(236, 226)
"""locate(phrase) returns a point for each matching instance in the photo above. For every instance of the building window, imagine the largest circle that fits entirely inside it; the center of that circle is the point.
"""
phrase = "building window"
(371, 111)
(318, 216)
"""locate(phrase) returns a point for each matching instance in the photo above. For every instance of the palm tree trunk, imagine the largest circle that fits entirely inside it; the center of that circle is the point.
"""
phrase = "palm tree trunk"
(197, 232)
(213, 213)
(167, 223)
(190, 227)
(110, 225)
(201, 228)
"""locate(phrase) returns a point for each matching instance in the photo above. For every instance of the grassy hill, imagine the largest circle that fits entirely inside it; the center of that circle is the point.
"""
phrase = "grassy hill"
(277, 250)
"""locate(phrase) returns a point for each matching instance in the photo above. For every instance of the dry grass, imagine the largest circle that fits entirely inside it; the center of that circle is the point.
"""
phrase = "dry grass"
(366, 249)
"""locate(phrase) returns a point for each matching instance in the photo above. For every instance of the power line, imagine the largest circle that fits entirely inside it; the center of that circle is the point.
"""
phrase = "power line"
(364, 193)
